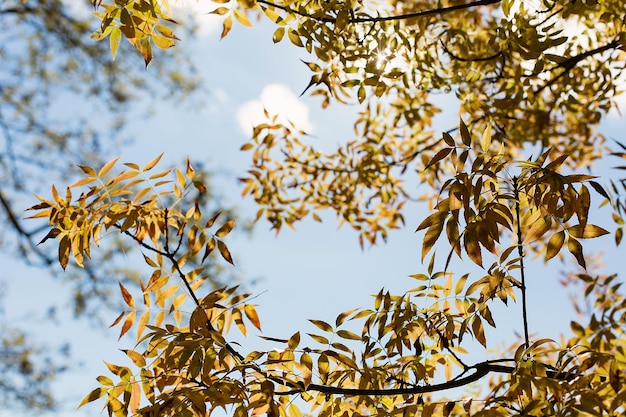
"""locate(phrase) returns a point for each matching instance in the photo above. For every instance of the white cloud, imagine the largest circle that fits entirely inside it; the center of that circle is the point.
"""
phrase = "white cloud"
(279, 100)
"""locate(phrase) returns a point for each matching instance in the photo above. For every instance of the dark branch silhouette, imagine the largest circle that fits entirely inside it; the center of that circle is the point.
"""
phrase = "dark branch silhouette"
(371, 19)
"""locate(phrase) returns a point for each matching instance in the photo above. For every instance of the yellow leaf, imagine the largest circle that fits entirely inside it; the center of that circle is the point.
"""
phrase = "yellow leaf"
(294, 37)
(143, 321)
(346, 334)
(485, 142)
(136, 357)
(538, 229)
(145, 49)
(128, 323)
(88, 170)
(152, 163)
(322, 325)
(555, 244)
(190, 172)
(252, 315)
(242, 18)
(227, 25)
(180, 178)
(588, 232)
(225, 229)
(83, 181)
(279, 34)
(93, 395)
(165, 31)
(115, 38)
(162, 42)
(306, 367)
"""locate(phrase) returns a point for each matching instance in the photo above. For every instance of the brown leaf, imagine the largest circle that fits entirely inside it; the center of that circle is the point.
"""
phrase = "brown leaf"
(576, 249)
(555, 244)
(128, 299)
(472, 247)
(117, 320)
(54, 232)
(221, 246)
(466, 138)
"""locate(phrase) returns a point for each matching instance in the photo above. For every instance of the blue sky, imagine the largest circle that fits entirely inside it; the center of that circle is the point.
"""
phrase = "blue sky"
(314, 272)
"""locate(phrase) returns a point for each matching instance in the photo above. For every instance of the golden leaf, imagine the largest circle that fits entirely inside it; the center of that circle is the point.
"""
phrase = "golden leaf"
(252, 315)
(227, 25)
(225, 229)
(538, 229)
(151, 164)
(221, 246)
(589, 231)
(555, 244)
(136, 357)
(242, 18)
(93, 395)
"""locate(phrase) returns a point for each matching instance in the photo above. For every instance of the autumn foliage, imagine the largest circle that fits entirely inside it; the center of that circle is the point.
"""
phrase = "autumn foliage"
(522, 85)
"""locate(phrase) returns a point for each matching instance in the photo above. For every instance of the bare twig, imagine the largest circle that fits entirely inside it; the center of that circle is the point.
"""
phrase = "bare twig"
(520, 251)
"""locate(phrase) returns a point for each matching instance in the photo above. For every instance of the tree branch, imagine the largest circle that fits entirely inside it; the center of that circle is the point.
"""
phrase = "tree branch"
(520, 251)
(571, 62)
(430, 12)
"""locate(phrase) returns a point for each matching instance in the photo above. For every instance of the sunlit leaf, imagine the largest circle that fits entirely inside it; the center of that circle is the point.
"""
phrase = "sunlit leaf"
(225, 229)
(93, 395)
(554, 245)
(588, 232)
(252, 315)
(128, 298)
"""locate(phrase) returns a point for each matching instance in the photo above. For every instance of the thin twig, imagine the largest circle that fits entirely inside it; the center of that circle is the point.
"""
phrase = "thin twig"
(423, 13)
(520, 251)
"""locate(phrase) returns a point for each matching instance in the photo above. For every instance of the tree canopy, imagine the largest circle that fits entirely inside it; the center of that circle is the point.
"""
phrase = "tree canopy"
(514, 178)
(48, 58)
